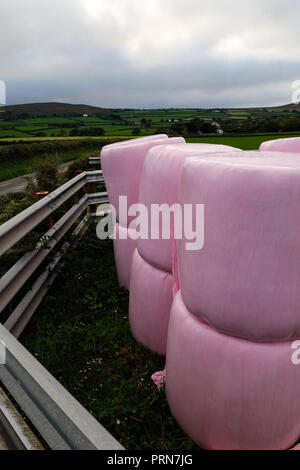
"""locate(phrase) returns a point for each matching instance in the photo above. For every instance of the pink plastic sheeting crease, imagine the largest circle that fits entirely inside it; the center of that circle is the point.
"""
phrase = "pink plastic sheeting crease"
(174, 261)
(123, 251)
(150, 304)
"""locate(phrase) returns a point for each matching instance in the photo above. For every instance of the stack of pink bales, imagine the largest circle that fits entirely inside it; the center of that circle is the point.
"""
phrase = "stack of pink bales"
(229, 332)
(231, 381)
(152, 274)
(122, 165)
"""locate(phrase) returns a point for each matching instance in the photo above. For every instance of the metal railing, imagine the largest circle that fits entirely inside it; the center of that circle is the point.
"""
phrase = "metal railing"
(15, 434)
(16, 228)
(94, 160)
(58, 417)
(19, 226)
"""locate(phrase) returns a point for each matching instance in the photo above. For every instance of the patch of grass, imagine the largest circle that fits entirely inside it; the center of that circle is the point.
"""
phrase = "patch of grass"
(81, 334)
(12, 169)
(251, 142)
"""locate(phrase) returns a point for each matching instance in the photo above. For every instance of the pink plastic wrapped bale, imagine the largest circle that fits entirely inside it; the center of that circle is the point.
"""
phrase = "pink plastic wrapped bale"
(150, 304)
(245, 281)
(228, 393)
(282, 145)
(138, 139)
(122, 167)
(160, 185)
(124, 247)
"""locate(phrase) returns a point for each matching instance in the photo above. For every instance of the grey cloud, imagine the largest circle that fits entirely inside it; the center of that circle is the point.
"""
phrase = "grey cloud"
(132, 53)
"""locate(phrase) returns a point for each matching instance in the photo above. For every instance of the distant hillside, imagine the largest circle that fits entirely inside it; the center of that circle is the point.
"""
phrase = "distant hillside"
(51, 109)
(289, 106)
(66, 109)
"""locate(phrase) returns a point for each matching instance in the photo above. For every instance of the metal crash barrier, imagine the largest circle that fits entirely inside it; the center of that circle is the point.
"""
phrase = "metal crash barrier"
(52, 411)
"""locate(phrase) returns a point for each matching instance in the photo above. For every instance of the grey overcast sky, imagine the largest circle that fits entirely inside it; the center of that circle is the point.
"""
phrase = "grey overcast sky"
(150, 53)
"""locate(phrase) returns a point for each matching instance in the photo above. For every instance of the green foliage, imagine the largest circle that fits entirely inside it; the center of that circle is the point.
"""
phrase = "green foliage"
(23, 151)
(197, 125)
(80, 164)
(13, 204)
(89, 131)
(10, 206)
(47, 173)
(20, 159)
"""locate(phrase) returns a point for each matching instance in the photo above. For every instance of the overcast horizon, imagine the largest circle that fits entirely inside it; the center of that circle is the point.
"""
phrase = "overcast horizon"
(150, 53)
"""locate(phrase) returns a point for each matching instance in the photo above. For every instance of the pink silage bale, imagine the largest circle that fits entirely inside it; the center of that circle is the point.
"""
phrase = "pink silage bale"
(160, 185)
(229, 393)
(138, 139)
(245, 281)
(291, 145)
(151, 298)
(122, 167)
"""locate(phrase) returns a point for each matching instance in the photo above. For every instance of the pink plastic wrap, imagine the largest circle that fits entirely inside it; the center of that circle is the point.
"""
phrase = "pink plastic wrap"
(122, 167)
(282, 145)
(139, 139)
(160, 185)
(150, 304)
(229, 393)
(124, 249)
(245, 281)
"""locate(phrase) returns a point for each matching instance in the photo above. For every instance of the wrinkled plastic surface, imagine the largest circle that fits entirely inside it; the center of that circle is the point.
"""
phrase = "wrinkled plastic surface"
(124, 249)
(138, 139)
(245, 281)
(160, 185)
(229, 393)
(150, 304)
(122, 167)
(282, 145)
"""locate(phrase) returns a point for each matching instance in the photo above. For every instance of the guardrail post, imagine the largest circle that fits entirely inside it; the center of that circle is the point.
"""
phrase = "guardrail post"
(39, 196)
(92, 190)
(82, 191)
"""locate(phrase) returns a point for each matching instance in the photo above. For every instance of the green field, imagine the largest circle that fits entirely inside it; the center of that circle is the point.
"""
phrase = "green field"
(15, 169)
(123, 123)
(12, 169)
(251, 142)
(248, 142)
(45, 122)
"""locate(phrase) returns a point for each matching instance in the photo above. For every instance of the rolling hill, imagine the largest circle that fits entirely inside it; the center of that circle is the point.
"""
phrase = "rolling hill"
(51, 109)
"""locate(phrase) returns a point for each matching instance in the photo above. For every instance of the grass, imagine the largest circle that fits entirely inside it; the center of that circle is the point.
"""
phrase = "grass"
(23, 167)
(251, 142)
(19, 168)
(81, 334)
